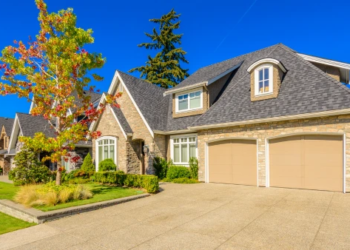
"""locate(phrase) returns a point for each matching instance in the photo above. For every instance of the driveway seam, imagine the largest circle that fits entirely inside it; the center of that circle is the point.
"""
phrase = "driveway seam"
(319, 227)
(278, 201)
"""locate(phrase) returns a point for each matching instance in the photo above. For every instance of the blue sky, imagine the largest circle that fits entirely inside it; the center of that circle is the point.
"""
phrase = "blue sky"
(213, 30)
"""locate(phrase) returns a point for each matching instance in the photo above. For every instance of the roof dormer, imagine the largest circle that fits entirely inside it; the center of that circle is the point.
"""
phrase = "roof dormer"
(265, 78)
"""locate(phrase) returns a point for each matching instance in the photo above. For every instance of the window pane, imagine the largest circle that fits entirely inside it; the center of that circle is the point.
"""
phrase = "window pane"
(111, 142)
(195, 102)
(266, 86)
(183, 104)
(192, 139)
(266, 73)
(183, 139)
(176, 140)
(193, 150)
(100, 154)
(261, 90)
(184, 153)
(105, 141)
(100, 143)
(261, 75)
(176, 153)
(111, 152)
(105, 152)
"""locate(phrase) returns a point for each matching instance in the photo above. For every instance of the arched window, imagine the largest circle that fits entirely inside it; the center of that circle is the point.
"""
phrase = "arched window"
(264, 79)
(106, 148)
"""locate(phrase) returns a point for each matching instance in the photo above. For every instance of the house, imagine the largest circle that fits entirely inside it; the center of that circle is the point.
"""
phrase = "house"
(5, 131)
(270, 118)
(27, 125)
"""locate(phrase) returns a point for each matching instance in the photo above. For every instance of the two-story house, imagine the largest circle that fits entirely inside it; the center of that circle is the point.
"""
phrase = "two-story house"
(270, 118)
(5, 132)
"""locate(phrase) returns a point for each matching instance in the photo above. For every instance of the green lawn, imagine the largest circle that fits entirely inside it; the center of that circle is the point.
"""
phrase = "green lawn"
(7, 191)
(9, 224)
(101, 193)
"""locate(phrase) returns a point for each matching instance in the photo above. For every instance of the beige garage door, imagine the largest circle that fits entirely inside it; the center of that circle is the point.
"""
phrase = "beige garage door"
(309, 162)
(233, 161)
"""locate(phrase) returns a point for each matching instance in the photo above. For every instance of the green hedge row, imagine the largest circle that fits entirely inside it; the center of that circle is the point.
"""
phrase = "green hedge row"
(148, 182)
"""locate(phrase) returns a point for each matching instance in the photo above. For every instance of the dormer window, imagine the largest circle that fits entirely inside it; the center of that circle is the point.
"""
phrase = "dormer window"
(263, 80)
(189, 101)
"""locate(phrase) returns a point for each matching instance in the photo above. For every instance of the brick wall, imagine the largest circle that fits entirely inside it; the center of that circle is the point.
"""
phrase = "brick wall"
(335, 124)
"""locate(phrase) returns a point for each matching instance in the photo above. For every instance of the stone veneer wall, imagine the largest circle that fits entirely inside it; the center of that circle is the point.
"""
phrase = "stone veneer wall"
(129, 155)
(334, 124)
(108, 126)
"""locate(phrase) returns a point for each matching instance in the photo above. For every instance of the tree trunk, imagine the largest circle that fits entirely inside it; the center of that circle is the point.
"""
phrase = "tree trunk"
(59, 174)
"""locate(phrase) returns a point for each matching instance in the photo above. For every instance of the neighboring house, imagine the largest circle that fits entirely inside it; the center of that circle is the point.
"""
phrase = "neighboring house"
(273, 117)
(28, 125)
(5, 131)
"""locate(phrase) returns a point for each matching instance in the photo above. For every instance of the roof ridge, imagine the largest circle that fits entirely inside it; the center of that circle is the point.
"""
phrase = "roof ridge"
(325, 75)
(142, 80)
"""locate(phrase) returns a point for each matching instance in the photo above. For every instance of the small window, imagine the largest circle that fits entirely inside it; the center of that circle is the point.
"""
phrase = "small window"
(189, 101)
(263, 80)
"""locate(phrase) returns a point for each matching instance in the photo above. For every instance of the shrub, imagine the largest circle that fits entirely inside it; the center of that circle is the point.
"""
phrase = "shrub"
(194, 168)
(29, 170)
(148, 182)
(49, 194)
(107, 165)
(175, 172)
(1, 171)
(161, 166)
(184, 181)
(88, 165)
(77, 176)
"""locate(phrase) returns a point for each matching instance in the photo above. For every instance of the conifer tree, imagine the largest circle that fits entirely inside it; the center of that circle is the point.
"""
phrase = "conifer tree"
(164, 69)
(88, 164)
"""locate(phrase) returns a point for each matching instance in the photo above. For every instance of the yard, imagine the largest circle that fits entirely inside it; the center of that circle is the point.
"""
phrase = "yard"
(9, 224)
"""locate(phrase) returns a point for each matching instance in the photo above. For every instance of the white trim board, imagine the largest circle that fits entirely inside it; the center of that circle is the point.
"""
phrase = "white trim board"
(267, 61)
(113, 87)
(325, 61)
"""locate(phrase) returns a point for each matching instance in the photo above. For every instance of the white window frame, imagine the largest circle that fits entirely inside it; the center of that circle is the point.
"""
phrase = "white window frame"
(63, 162)
(188, 93)
(115, 151)
(256, 79)
(188, 147)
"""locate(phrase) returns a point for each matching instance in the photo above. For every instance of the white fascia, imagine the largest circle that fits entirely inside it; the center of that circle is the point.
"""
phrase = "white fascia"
(267, 60)
(111, 90)
(14, 133)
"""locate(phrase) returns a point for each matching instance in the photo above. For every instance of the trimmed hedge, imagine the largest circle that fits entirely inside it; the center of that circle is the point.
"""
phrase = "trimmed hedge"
(148, 182)
(175, 172)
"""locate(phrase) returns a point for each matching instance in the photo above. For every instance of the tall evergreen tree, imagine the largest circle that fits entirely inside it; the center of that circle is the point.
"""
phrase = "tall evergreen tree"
(164, 69)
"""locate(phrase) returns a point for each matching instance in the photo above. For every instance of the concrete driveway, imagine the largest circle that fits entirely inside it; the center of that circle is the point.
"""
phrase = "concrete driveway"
(202, 216)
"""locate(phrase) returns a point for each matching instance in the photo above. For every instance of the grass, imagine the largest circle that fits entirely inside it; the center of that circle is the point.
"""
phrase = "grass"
(100, 192)
(9, 224)
(7, 191)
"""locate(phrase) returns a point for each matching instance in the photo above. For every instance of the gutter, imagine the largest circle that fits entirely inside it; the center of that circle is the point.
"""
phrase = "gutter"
(274, 119)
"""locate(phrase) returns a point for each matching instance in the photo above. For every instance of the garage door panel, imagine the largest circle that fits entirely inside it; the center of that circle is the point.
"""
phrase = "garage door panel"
(223, 173)
(233, 161)
(310, 162)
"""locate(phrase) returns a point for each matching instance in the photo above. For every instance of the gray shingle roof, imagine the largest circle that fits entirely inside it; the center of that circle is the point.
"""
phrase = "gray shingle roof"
(149, 98)
(32, 124)
(121, 118)
(8, 123)
(304, 89)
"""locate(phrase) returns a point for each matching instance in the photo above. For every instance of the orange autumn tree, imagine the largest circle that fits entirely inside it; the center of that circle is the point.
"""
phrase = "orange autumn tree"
(54, 71)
